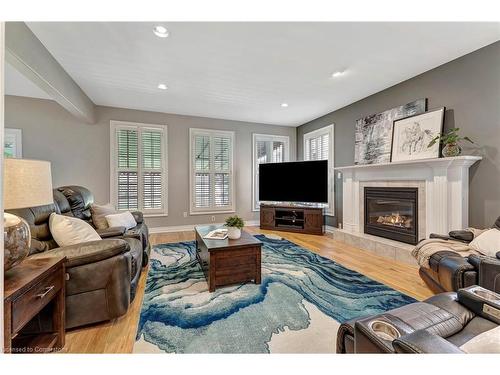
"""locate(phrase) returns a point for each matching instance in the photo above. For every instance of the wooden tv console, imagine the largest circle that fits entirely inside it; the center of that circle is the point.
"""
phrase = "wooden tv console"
(289, 218)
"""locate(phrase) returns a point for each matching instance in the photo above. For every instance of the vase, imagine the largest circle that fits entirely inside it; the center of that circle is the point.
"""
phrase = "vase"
(451, 149)
(17, 240)
(233, 233)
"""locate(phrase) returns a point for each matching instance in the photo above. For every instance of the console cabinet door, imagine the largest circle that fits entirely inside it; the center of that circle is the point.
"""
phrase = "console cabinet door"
(313, 221)
(267, 217)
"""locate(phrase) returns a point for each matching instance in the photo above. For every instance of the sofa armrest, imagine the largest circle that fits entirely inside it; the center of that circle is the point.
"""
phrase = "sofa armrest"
(421, 341)
(87, 252)
(451, 272)
(457, 235)
(440, 236)
(462, 235)
(489, 271)
(138, 216)
(111, 232)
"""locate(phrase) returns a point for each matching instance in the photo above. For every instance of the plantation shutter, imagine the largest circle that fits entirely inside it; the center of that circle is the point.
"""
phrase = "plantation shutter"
(267, 150)
(128, 162)
(222, 147)
(319, 147)
(212, 169)
(202, 187)
(152, 169)
(140, 168)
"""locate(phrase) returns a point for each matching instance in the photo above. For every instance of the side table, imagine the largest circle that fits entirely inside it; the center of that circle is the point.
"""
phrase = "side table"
(30, 287)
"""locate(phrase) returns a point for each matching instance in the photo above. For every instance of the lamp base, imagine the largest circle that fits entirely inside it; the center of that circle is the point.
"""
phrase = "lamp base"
(17, 240)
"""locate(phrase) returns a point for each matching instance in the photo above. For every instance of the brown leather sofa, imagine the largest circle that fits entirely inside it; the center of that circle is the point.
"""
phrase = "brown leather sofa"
(102, 275)
(440, 324)
(449, 271)
(78, 201)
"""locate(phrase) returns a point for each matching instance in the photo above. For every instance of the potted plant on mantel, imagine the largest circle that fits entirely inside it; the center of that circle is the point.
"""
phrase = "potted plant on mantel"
(450, 140)
(234, 226)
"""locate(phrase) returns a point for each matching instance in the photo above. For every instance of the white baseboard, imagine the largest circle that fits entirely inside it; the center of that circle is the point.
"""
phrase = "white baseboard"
(190, 227)
(329, 228)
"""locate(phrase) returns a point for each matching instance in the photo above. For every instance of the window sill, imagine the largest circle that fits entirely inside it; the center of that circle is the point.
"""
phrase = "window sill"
(211, 212)
(154, 215)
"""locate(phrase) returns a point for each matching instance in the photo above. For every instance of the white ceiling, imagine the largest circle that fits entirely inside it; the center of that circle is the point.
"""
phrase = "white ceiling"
(244, 71)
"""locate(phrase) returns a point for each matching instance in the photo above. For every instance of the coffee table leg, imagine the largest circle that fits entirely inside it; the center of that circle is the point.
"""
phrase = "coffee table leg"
(211, 274)
(258, 268)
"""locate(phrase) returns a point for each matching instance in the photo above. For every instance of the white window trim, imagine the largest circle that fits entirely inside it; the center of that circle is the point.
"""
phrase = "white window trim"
(265, 137)
(211, 210)
(114, 125)
(330, 129)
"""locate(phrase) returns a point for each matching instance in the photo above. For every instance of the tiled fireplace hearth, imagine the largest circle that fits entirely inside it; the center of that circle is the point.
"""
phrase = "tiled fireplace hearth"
(441, 190)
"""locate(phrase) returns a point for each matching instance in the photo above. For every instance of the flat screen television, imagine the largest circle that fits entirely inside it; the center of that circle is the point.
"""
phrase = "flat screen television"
(299, 182)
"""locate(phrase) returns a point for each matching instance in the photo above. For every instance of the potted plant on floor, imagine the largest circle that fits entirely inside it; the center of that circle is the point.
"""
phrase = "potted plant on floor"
(234, 226)
(451, 141)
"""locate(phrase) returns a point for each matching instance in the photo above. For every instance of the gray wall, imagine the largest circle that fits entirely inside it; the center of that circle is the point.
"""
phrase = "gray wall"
(469, 87)
(79, 152)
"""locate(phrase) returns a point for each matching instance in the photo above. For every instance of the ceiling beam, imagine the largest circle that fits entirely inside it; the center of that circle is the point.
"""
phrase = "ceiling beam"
(25, 52)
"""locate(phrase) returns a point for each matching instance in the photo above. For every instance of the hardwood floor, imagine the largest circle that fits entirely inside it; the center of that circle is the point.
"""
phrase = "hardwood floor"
(118, 335)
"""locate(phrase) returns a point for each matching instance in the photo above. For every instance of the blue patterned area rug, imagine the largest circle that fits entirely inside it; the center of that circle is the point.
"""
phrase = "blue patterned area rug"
(297, 309)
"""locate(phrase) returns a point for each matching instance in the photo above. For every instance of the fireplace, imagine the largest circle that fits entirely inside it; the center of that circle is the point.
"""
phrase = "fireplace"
(392, 213)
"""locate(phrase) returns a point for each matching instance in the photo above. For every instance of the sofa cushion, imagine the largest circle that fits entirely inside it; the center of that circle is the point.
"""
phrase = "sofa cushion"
(38, 221)
(80, 199)
(487, 243)
(122, 219)
(99, 213)
(68, 230)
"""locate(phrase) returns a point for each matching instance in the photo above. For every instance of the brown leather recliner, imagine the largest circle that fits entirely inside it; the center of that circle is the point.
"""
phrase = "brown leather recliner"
(450, 271)
(446, 323)
(101, 276)
(78, 201)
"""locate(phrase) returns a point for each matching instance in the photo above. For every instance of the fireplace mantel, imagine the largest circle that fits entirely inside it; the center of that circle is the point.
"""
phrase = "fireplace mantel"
(446, 189)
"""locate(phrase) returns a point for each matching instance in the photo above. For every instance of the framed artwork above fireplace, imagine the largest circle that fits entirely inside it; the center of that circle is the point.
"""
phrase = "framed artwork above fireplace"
(412, 135)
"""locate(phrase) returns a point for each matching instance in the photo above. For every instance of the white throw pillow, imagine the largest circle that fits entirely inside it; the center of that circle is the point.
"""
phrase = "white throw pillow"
(68, 230)
(123, 219)
(487, 243)
(99, 213)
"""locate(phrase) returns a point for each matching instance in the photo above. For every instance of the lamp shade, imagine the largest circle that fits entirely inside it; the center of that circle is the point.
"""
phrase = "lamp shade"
(26, 183)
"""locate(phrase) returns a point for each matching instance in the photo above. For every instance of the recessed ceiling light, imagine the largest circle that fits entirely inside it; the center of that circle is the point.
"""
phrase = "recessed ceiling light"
(160, 31)
(162, 86)
(338, 73)
(284, 105)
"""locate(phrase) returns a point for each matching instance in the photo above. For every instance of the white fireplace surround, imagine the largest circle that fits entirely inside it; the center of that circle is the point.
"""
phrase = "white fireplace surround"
(446, 191)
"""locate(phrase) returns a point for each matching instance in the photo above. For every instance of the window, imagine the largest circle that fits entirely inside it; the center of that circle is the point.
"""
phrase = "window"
(318, 145)
(212, 180)
(138, 164)
(267, 149)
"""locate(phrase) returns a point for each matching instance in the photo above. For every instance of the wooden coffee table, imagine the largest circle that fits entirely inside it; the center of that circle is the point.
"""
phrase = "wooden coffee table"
(226, 262)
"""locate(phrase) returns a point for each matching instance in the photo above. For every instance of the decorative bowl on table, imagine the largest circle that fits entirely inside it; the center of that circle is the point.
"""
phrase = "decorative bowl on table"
(17, 240)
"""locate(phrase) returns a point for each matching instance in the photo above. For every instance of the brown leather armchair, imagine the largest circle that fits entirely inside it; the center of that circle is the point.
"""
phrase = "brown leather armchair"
(101, 276)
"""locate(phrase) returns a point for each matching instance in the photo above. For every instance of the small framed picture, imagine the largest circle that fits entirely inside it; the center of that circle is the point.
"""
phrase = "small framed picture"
(411, 136)
(13, 143)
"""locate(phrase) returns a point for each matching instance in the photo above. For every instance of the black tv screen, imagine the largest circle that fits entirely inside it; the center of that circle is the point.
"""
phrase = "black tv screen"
(302, 181)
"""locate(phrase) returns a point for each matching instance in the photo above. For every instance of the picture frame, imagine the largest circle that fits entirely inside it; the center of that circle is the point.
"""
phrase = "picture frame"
(373, 133)
(411, 135)
(13, 143)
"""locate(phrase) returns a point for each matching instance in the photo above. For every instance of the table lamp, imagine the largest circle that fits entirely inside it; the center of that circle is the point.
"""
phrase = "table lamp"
(26, 183)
